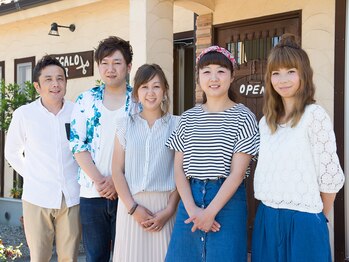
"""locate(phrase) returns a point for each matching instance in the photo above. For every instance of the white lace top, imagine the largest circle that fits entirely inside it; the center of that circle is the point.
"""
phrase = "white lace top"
(296, 164)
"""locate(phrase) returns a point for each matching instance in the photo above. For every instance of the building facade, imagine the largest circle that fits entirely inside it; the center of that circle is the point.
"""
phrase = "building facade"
(171, 33)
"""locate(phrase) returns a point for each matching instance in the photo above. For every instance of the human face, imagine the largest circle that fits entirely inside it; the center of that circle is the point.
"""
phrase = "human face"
(113, 70)
(286, 82)
(52, 85)
(151, 94)
(215, 81)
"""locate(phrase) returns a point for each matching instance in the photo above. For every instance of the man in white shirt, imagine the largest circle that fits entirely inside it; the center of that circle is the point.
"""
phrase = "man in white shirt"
(37, 147)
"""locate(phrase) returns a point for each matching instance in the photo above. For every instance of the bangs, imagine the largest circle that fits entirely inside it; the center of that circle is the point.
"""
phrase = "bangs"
(284, 57)
(144, 76)
(215, 58)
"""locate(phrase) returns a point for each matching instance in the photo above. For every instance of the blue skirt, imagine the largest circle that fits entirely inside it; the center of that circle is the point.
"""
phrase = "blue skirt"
(229, 244)
(283, 235)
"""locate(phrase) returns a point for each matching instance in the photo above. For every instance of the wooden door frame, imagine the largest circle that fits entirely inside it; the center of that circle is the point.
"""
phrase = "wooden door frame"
(2, 145)
(339, 99)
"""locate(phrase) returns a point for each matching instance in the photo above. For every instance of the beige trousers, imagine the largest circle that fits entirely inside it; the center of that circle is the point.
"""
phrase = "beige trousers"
(43, 225)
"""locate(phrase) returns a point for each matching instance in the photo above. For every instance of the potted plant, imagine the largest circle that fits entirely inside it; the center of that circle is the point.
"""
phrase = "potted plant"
(16, 191)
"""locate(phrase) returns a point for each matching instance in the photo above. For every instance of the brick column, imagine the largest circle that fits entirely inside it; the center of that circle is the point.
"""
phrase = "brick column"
(204, 39)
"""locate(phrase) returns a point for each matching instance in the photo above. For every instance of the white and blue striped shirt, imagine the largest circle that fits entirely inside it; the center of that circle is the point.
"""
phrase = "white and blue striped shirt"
(148, 162)
(209, 140)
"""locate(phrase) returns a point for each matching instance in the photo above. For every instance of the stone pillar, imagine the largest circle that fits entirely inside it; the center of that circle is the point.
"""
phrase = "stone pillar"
(203, 40)
(151, 35)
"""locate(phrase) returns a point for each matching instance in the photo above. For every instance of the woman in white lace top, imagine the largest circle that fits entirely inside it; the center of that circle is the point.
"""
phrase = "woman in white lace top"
(298, 172)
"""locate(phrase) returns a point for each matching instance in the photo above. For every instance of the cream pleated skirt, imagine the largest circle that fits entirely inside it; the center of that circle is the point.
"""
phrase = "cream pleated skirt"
(132, 242)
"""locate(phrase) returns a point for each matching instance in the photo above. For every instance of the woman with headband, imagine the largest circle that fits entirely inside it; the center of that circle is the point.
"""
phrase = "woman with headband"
(214, 144)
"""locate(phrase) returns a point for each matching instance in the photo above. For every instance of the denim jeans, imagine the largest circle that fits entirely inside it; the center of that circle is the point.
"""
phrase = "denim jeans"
(229, 244)
(98, 218)
(284, 235)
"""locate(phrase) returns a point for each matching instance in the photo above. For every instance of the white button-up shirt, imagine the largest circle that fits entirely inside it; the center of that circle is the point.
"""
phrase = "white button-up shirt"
(37, 147)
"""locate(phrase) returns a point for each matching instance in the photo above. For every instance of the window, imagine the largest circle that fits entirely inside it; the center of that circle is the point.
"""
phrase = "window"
(247, 50)
(24, 70)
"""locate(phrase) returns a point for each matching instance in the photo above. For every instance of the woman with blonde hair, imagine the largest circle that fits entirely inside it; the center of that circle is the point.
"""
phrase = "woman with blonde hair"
(298, 172)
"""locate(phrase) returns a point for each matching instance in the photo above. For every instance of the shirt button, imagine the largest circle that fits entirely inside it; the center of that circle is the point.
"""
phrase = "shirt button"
(202, 239)
(203, 206)
(203, 191)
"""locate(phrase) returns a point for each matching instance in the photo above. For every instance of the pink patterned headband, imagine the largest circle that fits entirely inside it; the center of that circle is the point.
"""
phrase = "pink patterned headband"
(218, 49)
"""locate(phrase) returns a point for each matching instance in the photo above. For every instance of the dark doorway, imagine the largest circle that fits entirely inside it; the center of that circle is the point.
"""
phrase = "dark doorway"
(183, 72)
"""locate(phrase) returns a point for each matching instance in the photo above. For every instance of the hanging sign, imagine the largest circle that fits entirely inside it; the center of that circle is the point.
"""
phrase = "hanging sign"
(78, 64)
(249, 79)
(252, 89)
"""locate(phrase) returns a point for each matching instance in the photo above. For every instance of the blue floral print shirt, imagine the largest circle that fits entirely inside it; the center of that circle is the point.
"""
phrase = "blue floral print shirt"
(85, 127)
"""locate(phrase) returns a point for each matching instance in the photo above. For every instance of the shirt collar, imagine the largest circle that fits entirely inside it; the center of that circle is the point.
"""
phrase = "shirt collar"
(39, 103)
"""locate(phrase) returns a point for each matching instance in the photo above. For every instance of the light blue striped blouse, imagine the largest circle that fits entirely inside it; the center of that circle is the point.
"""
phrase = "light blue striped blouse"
(148, 162)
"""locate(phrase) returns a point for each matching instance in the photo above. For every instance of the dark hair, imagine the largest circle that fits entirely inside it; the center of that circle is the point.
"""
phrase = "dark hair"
(215, 58)
(144, 74)
(44, 62)
(111, 44)
(288, 54)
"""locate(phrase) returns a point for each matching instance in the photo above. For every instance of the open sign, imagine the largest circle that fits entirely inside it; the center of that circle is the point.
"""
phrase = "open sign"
(252, 89)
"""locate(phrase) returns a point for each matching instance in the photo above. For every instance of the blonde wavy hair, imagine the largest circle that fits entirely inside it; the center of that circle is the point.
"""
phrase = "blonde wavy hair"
(288, 54)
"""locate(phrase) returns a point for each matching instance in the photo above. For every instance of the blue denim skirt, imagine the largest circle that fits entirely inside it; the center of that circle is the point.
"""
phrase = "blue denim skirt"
(228, 244)
(284, 235)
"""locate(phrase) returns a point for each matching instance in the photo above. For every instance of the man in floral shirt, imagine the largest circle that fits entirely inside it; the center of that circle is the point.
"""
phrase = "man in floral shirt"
(91, 141)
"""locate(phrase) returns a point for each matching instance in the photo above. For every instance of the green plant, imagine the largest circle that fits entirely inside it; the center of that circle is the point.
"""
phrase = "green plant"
(9, 252)
(16, 191)
(99, 82)
(12, 97)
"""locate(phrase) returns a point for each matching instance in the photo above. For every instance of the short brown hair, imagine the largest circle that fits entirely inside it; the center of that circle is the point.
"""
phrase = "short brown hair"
(45, 61)
(144, 74)
(111, 44)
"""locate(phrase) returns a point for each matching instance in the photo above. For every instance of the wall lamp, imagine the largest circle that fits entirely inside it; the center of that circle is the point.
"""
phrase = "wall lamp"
(54, 28)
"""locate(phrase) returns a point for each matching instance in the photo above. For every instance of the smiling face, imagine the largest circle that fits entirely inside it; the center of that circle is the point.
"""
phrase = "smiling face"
(113, 70)
(286, 82)
(151, 94)
(51, 85)
(215, 80)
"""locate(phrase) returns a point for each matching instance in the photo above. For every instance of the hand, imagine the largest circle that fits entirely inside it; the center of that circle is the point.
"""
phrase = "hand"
(203, 220)
(106, 188)
(157, 222)
(141, 215)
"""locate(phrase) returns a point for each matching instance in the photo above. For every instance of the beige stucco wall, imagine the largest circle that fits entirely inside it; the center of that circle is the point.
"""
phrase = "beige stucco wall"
(183, 19)
(29, 37)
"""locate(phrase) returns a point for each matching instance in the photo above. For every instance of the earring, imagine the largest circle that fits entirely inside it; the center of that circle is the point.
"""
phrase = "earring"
(163, 104)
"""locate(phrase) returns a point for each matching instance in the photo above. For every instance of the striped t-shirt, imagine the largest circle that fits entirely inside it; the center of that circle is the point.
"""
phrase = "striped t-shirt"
(209, 140)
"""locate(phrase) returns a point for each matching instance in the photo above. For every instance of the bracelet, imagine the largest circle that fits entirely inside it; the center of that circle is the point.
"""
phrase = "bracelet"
(133, 209)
